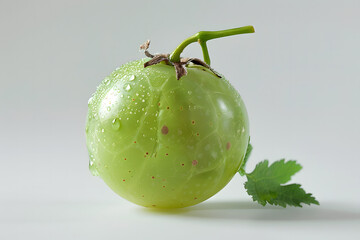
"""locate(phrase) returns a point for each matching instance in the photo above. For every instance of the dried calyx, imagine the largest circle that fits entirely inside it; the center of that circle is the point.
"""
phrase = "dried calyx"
(180, 67)
(201, 37)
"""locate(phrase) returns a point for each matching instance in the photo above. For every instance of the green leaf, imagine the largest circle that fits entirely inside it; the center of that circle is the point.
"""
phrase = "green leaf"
(247, 155)
(264, 185)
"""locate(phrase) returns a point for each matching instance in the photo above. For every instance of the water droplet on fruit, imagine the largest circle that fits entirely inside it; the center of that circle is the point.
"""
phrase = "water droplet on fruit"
(102, 130)
(108, 108)
(132, 77)
(92, 166)
(121, 95)
(116, 124)
(143, 100)
(107, 81)
(128, 87)
(90, 100)
(189, 92)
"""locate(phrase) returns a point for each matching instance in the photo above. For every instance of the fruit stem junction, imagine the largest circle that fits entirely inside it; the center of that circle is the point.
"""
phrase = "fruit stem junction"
(202, 37)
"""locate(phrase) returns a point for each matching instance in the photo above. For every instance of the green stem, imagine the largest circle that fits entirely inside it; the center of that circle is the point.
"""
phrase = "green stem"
(203, 36)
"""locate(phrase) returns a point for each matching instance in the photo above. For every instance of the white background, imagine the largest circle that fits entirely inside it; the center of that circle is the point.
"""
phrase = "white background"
(299, 76)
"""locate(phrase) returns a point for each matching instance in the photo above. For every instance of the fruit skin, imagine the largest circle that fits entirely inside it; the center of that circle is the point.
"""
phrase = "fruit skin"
(166, 143)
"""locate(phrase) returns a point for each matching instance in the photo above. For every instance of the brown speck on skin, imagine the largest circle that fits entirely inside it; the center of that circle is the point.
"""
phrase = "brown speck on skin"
(197, 134)
(166, 154)
(123, 180)
(167, 107)
(147, 153)
(195, 198)
(153, 205)
(125, 159)
(164, 130)
(134, 141)
(203, 70)
(194, 162)
(153, 177)
(129, 171)
(142, 196)
(133, 99)
(182, 164)
(158, 104)
(181, 108)
(193, 122)
(163, 186)
(228, 145)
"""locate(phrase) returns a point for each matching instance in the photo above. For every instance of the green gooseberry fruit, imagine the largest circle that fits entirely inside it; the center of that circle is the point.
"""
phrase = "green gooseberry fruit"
(162, 142)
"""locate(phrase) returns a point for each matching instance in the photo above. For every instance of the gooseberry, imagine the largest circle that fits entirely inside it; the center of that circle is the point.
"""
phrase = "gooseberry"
(170, 134)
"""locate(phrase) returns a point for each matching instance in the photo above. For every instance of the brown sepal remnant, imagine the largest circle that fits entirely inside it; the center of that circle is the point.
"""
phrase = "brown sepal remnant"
(157, 59)
(145, 47)
(180, 67)
(197, 61)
